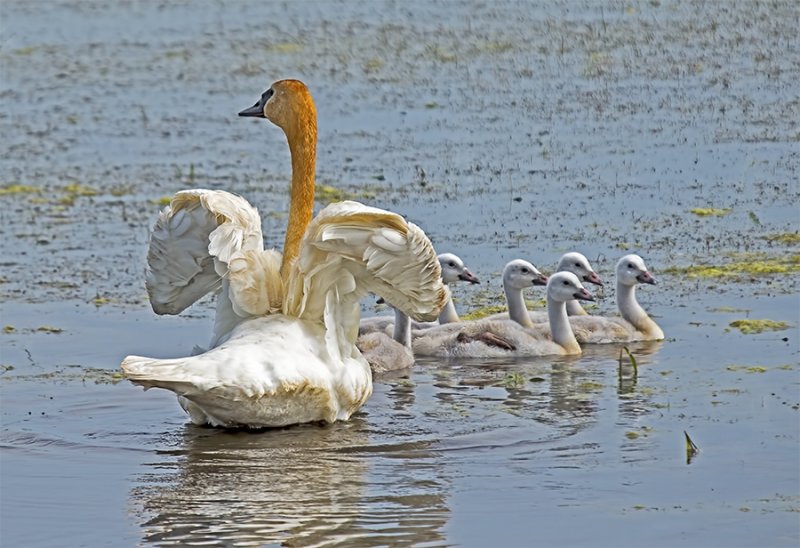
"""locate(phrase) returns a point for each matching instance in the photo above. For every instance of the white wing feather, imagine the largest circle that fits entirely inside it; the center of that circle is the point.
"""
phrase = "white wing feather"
(351, 249)
(201, 237)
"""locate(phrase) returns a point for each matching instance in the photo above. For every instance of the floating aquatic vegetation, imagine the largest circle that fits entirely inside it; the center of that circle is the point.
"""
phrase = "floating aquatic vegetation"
(77, 189)
(484, 311)
(163, 201)
(19, 189)
(747, 368)
(729, 310)
(710, 211)
(753, 264)
(514, 380)
(49, 329)
(749, 327)
(786, 238)
(9, 329)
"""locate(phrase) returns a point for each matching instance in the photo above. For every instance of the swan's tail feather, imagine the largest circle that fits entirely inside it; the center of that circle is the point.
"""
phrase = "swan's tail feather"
(154, 373)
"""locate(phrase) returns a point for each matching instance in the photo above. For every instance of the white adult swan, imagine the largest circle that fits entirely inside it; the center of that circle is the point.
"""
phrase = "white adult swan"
(635, 324)
(296, 360)
(556, 337)
(453, 271)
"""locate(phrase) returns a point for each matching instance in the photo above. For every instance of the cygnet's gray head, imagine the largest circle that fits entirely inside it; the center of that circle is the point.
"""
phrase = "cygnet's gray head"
(631, 270)
(453, 270)
(520, 274)
(565, 286)
(579, 265)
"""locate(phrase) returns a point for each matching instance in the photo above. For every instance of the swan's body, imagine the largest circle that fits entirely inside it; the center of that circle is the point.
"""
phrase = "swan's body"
(556, 337)
(385, 353)
(284, 342)
(635, 324)
(453, 271)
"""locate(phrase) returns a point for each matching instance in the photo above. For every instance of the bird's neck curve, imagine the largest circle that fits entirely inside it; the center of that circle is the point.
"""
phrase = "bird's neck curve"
(448, 313)
(517, 311)
(302, 138)
(574, 308)
(559, 326)
(634, 314)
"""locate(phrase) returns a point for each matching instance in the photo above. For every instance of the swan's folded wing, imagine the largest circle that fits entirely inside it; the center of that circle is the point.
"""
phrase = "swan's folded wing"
(350, 249)
(193, 241)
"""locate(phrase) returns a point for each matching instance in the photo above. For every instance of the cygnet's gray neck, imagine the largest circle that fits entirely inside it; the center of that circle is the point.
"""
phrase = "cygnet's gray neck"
(402, 328)
(448, 313)
(517, 311)
(574, 308)
(559, 326)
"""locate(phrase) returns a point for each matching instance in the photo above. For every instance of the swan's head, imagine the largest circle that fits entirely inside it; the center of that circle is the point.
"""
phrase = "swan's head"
(631, 270)
(453, 270)
(579, 265)
(565, 286)
(520, 274)
(286, 103)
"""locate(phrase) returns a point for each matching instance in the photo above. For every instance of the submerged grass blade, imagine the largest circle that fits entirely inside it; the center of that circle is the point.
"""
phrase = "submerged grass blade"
(691, 448)
(631, 358)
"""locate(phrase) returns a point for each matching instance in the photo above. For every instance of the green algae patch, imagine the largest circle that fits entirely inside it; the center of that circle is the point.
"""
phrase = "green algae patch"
(747, 368)
(49, 329)
(786, 238)
(327, 194)
(484, 311)
(729, 310)
(9, 329)
(7, 190)
(750, 264)
(710, 211)
(163, 201)
(77, 189)
(749, 327)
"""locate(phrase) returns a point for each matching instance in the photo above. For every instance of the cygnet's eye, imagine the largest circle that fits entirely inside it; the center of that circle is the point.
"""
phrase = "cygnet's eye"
(524, 270)
(630, 265)
(578, 265)
(452, 264)
(566, 282)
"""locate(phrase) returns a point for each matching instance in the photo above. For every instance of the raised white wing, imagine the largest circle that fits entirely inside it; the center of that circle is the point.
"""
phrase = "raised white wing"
(349, 250)
(202, 237)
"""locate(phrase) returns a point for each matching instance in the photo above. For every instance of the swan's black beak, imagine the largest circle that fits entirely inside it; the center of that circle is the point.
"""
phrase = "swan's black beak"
(583, 295)
(646, 278)
(256, 110)
(593, 278)
(541, 279)
(467, 276)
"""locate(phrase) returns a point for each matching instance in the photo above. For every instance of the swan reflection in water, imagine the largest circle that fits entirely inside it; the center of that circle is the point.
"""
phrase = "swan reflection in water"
(305, 485)
(389, 475)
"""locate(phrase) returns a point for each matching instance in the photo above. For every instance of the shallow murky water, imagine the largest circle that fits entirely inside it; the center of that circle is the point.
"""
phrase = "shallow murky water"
(505, 130)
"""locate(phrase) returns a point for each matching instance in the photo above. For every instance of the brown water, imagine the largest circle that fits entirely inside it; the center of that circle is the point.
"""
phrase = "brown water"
(505, 130)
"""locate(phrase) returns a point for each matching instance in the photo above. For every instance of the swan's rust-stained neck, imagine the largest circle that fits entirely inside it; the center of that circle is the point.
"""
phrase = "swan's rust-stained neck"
(301, 133)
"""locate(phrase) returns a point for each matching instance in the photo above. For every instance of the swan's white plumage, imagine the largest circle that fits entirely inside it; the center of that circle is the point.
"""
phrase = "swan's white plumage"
(284, 337)
(302, 365)
(453, 270)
